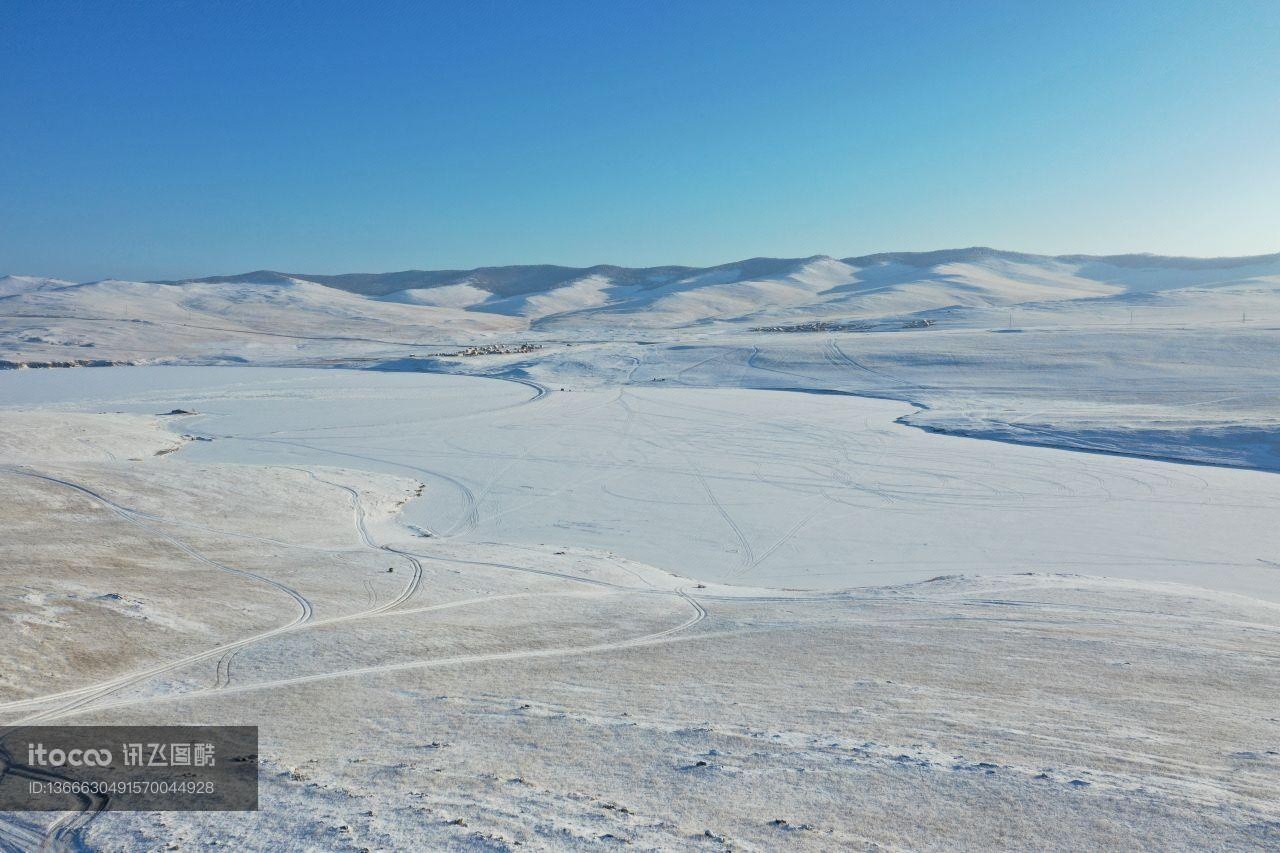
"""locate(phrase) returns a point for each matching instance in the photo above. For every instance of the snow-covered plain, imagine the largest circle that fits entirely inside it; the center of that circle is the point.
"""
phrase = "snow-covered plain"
(703, 570)
(776, 489)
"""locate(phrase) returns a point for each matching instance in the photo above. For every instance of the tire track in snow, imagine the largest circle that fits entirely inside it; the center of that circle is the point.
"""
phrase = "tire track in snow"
(747, 555)
(665, 635)
(222, 673)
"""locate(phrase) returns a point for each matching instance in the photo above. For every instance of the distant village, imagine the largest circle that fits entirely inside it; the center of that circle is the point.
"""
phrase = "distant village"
(491, 349)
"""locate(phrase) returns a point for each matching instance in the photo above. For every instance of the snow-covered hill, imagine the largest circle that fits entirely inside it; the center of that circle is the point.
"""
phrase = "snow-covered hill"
(16, 285)
(753, 292)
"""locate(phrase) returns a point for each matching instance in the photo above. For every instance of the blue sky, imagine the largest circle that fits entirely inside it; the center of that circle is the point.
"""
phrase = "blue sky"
(149, 140)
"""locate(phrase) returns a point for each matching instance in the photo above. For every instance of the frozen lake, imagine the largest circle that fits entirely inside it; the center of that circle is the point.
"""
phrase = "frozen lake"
(761, 488)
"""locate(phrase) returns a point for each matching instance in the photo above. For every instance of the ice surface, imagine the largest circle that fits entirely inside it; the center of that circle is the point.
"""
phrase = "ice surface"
(778, 489)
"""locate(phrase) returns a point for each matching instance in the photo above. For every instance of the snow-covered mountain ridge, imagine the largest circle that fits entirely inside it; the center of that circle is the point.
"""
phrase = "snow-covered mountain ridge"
(756, 291)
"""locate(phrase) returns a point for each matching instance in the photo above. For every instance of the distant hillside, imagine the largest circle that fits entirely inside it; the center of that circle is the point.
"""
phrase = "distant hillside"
(507, 281)
(498, 281)
(886, 290)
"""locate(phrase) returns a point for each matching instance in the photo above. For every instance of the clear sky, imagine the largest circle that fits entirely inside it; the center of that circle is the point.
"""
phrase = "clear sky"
(168, 139)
